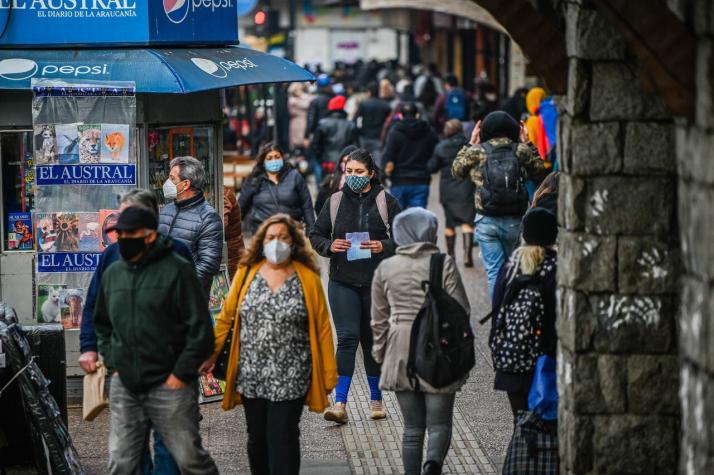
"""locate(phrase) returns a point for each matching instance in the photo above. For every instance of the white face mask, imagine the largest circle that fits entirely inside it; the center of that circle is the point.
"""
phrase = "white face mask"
(170, 191)
(277, 251)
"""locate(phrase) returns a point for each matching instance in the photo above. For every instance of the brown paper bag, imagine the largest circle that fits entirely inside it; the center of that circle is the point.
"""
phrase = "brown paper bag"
(94, 401)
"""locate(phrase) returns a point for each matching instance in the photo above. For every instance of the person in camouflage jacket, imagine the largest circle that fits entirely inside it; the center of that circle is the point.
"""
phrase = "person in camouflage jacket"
(497, 227)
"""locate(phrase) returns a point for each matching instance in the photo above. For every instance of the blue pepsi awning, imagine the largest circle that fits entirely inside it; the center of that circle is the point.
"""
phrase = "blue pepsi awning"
(156, 70)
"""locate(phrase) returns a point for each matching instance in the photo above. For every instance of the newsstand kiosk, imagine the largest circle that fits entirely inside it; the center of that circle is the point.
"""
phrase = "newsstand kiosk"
(96, 98)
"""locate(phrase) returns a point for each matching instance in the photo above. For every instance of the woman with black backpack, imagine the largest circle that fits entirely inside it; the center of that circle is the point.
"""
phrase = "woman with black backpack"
(524, 308)
(353, 231)
(397, 297)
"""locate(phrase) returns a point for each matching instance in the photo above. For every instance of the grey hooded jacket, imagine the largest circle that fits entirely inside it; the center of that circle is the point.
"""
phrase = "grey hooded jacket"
(195, 223)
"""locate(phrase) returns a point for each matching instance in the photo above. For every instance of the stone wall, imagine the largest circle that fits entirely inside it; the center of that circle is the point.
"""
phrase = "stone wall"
(619, 260)
(695, 165)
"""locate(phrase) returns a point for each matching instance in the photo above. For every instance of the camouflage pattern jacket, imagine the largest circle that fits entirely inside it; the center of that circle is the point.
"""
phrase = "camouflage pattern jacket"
(471, 162)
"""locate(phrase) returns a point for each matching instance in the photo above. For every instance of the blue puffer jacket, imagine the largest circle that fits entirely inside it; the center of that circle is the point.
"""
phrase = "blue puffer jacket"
(195, 223)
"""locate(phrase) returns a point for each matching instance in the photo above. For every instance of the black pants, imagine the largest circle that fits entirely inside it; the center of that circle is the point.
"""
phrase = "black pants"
(273, 436)
(519, 402)
(351, 313)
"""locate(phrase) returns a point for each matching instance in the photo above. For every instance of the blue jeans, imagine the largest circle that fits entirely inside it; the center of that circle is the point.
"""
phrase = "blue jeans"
(410, 196)
(498, 237)
(163, 463)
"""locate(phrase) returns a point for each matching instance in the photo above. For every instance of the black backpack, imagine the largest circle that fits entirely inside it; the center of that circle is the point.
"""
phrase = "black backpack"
(504, 190)
(441, 348)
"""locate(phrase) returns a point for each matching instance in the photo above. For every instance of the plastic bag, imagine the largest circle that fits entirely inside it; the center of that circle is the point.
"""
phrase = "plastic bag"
(93, 400)
(543, 396)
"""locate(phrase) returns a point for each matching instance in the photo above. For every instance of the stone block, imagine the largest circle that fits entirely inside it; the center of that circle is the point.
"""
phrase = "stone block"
(696, 395)
(572, 198)
(703, 16)
(695, 321)
(696, 228)
(576, 321)
(646, 266)
(695, 154)
(704, 83)
(617, 93)
(629, 205)
(599, 384)
(595, 149)
(576, 103)
(635, 444)
(649, 148)
(652, 382)
(694, 459)
(680, 8)
(587, 262)
(634, 324)
(588, 35)
(564, 142)
(575, 434)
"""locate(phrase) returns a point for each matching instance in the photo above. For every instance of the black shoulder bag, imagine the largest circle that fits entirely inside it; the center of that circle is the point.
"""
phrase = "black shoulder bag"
(220, 369)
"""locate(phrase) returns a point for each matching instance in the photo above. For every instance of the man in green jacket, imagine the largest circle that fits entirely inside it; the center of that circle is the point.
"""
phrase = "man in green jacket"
(154, 331)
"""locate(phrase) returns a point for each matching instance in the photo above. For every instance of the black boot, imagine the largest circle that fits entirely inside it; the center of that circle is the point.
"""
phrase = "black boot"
(450, 244)
(468, 248)
(431, 468)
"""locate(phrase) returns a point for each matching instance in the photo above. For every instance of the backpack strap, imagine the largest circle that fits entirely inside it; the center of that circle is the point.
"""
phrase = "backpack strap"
(383, 211)
(335, 200)
(436, 270)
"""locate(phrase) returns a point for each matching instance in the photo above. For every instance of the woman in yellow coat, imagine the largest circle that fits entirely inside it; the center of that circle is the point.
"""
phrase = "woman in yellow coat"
(282, 355)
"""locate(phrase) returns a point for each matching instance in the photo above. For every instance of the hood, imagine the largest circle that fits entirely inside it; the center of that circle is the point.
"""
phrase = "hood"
(499, 124)
(163, 246)
(412, 128)
(337, 114)
(417, 248)
(534, 98)
(415, 225)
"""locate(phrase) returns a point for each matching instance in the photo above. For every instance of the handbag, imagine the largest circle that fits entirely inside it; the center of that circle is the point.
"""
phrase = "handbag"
(220, 369)
(93, 399)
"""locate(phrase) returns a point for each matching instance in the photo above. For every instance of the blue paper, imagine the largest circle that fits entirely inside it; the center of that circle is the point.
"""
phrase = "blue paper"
(67, 261)
(356, 252)
(103, 174)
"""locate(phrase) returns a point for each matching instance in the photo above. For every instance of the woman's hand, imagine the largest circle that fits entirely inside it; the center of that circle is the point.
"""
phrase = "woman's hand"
(374, 246)
(340, 245)
(524, 132)
(476, 134)
(207, 366)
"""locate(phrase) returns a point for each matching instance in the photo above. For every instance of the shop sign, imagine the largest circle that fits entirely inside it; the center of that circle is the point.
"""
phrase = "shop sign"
(43, 23)
(67, 261)
(108, 174)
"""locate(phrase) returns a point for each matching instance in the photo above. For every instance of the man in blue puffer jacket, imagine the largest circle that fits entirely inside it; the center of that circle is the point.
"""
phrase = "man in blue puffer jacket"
(190, 219)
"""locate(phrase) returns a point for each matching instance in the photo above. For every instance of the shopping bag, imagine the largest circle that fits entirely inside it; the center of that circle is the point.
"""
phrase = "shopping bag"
(543, 396)
(534, 447)
(93, 401)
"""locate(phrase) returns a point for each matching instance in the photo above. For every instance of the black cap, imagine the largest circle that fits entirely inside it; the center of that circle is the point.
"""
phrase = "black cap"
(540, 227)
(133, 218)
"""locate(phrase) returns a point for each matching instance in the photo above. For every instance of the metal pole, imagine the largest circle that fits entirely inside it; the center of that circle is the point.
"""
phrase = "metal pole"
(292, 9)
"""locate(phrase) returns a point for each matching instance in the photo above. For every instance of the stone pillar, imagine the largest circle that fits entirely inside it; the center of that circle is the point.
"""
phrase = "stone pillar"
(619, 261)
(695, 163)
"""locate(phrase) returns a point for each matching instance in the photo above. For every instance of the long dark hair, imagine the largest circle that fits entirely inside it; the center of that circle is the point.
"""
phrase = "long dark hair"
(365, 158)
(259, 168)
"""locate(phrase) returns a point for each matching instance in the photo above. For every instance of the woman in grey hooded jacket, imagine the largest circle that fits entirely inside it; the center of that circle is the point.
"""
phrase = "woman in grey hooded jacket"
(397, 296)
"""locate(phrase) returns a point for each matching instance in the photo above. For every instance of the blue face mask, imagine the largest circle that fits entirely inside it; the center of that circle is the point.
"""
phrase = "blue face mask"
(274, 166)
(357, 183)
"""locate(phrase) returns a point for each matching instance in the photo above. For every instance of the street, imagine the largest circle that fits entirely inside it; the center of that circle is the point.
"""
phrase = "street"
(482, 418)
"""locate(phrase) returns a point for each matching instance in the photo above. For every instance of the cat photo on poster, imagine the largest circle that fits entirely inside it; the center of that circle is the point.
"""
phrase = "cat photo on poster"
(45, 142)
(90, 143)
(107, 219)
(115, 143)
(67, 143)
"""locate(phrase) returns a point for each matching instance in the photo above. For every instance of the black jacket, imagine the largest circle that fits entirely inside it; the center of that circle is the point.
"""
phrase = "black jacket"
(370, 117)
(451, 189)
(152, 319)
(357, 213)
(334, 132)
(316, 111)
(409, 145)
(200, 227)
(262, 198)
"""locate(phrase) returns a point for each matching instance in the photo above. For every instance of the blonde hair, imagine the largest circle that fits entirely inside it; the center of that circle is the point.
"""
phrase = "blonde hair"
(301, 252)
(527, 259)
(386, 90)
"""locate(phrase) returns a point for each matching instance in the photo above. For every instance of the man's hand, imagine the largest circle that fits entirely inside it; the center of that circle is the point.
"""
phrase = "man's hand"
(476, 134)
(340, 245)
(389, 168)
(88, 361)
(524, 132)
(374, 246)
(207, 366)
(172, 382)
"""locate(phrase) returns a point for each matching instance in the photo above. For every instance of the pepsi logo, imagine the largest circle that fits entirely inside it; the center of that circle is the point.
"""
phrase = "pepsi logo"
(209, 67)
(17, 69)
(176, 10)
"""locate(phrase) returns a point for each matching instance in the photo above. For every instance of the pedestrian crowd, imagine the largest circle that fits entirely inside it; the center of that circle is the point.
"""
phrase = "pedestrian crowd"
(391, 291)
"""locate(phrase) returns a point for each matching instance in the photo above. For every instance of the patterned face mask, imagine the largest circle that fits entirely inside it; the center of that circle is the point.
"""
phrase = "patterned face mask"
(357, 183)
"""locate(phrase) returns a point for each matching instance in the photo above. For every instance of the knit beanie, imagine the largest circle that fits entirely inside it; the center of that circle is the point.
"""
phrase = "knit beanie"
(540, 227)
(337, 103)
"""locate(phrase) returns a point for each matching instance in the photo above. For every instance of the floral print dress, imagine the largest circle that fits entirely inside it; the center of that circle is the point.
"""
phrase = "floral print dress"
(274, 361)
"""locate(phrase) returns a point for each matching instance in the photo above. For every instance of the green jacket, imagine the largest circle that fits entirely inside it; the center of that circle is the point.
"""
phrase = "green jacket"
(152, 320)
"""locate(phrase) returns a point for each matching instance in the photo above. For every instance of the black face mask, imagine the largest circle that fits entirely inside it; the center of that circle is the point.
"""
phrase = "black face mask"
(131, 247)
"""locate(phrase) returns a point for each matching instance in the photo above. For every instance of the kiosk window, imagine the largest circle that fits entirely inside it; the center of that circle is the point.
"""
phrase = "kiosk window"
(166, 144)
(17, 187)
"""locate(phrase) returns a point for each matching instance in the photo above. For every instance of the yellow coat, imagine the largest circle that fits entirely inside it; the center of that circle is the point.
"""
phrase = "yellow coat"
(324, 367)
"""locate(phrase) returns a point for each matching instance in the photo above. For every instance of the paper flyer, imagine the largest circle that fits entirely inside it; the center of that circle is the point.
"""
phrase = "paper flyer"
(45, 144)
(115, 143)
(57, 232)
(355, 252)
(49, 303)
(89, 232)
(107, 218)
(20, 236)
(90, 146)
(67, 144)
